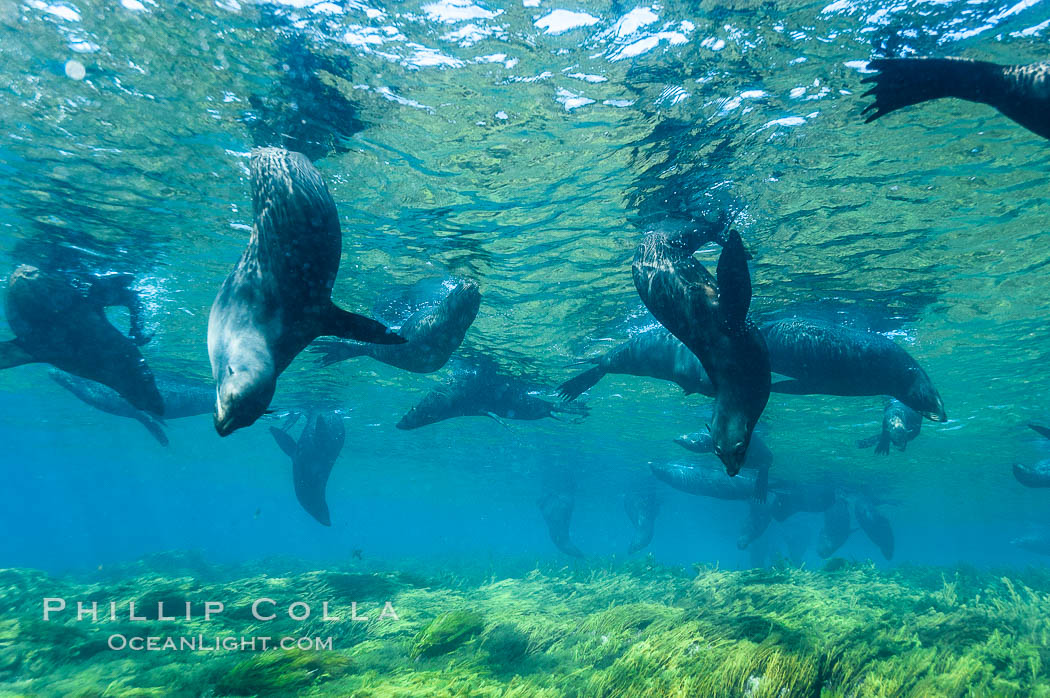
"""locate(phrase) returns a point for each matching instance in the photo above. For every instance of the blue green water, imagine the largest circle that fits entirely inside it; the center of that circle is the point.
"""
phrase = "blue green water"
(527, 148)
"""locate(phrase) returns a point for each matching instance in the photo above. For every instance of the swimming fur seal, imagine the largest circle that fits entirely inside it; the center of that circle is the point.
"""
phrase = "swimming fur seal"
(836, 529)
(278, 298)
(56, 322)
(758, 455)
(875, 526)
(798, 497)
(655, 353)
(706, 480)
(836, 360)
(900, 424)
(641, 508)
(759, 515)
(1037, 475)
(556, 508)
(182, 398)
(479, 390)
(1019, 92)
(431, 334)
(710, 317)
(313, 457)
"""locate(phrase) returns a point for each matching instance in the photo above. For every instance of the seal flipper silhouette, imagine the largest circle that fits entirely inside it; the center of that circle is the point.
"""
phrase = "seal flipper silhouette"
(1019, 92)
(11, 355)
(556, 508)
(313, 457)
(1042, 431)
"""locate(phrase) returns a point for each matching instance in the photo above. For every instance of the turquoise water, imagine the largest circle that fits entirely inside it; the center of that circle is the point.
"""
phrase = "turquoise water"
(496, 142)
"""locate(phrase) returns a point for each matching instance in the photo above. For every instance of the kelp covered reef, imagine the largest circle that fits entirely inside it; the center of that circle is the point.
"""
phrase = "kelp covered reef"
(602, 630)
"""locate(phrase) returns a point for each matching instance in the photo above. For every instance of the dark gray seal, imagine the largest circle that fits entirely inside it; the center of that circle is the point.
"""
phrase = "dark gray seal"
(182, 398)
(58, 323)
(836, 360)
(711, 318)
(278, 298)
(759, 515)
(655, 353)
(836, 529)
(1019, 92)
(796, 497)
(1038, 475)
(900, 424)
(875, 526)
(480, 390)
(556, 508)
(758, 455)
(431, 333)
(641, 508)
(313, 457)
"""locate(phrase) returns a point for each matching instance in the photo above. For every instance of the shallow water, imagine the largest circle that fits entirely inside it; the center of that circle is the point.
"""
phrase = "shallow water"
(528, 147)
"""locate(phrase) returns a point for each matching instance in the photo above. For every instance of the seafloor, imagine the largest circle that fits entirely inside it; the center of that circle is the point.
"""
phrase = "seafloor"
(615, 630)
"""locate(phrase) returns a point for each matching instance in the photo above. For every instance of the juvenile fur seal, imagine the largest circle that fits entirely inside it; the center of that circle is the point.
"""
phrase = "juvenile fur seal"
(556, 508)
(278, 298)
(1019, 92)
(875, 526)
(641, 508)
(836, 529)
(900, 424)
(655, 353)
(313, 457)
(836, 360)
(480, 390)
(431, 334)
(710, 317)
(182, 398)
(57, 323)
(758, 455)
(706, 480)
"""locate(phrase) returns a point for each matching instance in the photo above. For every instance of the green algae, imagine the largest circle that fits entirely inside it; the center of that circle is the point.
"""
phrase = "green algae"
(634, 630)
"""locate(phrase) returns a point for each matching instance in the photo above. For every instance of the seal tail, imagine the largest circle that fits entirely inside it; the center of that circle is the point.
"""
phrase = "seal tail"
(574, 387)
(902, 82)
(11, 354)
(340, 323)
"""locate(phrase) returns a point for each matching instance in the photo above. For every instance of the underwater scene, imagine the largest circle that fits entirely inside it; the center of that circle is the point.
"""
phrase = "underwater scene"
(528, 348)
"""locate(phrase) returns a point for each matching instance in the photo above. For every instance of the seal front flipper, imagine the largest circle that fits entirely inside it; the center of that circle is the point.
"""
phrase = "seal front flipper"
(153, 426)
(902, 82)
(734, 283)
(11, 354)
(1042, 431)
(574, 387)
(284, 440)
(340, 323)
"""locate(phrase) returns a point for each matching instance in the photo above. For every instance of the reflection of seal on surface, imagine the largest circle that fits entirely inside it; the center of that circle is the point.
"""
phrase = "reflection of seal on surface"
(830, 359)
(711, 319)
(313, 457)
(655, 353)
(278, 298)
(1020, 92)
(56, 323)
(431, 334)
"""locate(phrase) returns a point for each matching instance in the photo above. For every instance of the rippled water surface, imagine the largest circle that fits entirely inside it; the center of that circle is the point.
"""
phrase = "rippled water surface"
(527, 145)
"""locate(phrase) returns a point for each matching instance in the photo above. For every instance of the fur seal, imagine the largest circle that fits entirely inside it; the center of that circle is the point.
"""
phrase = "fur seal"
(706, 480)
(56, 322)
(182, 398)
(480, 390)
(641, 508)
(836, 529)
(655, 353)
(835, 360)
(759, 515)
(1037, 475)
(431, 333)
(802, 497)
(1038, 543)
(278, 298)
(711, 318)
(1019, 92)
(875, 526)
(758, 455)
(556, 508)
(900, 424)
(313, 457)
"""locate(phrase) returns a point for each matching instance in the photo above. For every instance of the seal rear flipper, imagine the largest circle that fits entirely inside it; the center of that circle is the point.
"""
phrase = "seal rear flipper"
(902, 82)
(154, 427)
(11, 354)
(340, 323)
(284, 440)
(310, 491)
(1042, 431)
(336, 350)
(574, 387)
(734, 282)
